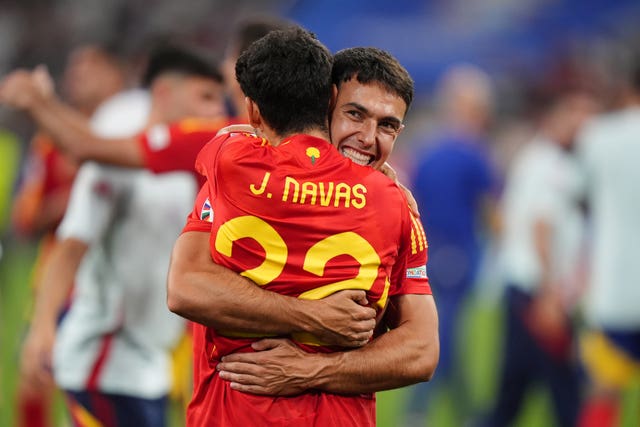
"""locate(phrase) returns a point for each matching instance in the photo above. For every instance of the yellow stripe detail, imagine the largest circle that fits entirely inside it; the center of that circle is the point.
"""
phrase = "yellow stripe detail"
(607, 364)
(84, 417)
(201, 125)
(414, 248)
(416, 227)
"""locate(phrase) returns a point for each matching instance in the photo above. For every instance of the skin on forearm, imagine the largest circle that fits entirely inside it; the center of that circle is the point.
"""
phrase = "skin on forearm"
(57, 280)
(542, 241)
(71, 132)
(52, 291)
(406, 354)
(207, 293)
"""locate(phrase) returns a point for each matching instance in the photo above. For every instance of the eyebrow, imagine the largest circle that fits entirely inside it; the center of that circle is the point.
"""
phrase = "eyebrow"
(366, 111)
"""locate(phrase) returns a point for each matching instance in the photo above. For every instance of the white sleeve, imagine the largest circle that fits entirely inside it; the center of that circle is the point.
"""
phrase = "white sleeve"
(93, 202)
(123, 115)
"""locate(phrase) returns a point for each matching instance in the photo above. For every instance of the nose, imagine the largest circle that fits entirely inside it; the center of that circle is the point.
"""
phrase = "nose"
(367, 134)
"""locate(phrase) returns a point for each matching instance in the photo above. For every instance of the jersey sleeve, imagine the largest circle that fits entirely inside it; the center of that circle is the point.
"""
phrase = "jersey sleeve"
(409, 273)
(93, 202)
(201, 217)
(175, 147)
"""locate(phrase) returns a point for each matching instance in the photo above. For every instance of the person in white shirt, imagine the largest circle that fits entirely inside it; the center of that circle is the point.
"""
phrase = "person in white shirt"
(111, 351)
(540, 253)
(609, 153)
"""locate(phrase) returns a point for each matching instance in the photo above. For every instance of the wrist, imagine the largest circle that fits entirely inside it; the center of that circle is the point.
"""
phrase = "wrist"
(325, 365)
(302, 316)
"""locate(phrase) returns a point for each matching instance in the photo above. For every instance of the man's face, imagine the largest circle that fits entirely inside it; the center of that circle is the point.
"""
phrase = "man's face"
(366, 121)
(196, 97)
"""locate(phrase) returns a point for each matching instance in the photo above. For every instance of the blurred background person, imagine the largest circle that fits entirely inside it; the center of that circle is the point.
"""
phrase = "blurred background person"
(456, 186)
(540, 254)
(110, 353)
(93, 74)
(609, 152)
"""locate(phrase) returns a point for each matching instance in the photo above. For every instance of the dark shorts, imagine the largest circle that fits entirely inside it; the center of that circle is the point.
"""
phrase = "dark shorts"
(93, 409)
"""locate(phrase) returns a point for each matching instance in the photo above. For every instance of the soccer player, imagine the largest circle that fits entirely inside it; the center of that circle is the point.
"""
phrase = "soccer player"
(318, 224)
(92, 74)
(374, 93)
(363, 120)
(161, 148)
(111, 352)
(608, 149)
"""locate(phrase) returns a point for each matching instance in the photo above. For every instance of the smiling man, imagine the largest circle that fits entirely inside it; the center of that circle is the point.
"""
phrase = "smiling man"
(373, 96)
(303, 252)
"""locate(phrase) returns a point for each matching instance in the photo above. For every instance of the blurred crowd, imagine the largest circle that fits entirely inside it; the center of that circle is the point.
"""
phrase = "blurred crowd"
(527, 185)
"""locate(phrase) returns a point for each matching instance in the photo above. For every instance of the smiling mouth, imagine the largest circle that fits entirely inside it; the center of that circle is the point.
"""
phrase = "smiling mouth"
(357, 157)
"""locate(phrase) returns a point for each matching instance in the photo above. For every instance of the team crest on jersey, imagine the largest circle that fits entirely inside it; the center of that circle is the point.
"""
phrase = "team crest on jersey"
(206, 214)
(313, 153)
(417, 272)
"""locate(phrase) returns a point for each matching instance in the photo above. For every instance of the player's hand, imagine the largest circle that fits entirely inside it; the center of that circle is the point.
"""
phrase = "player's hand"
(548, 322)
(36, 360)
(43, 81)
(240, 128)
(344, 319)
(277, 368)
(393, 176)
(20, 90)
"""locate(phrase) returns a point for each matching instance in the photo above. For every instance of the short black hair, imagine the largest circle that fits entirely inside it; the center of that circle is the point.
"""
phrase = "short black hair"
(287, 73)
(179, 59)
(372, 65)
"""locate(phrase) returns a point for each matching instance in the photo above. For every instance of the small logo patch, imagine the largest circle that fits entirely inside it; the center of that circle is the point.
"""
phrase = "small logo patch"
(313, 153)
(417, 272)
(206, 214)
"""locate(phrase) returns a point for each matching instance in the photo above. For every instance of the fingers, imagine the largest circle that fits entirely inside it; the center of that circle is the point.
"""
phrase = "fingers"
(43, 80)
(389, 172)
(413, 204)
(358, 296)
(240, 128)
(267, 344)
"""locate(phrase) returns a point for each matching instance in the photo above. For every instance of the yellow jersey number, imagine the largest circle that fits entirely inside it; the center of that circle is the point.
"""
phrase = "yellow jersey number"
(315, 260)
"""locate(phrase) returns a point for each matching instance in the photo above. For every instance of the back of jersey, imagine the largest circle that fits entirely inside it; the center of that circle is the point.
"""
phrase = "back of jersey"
(301, 220)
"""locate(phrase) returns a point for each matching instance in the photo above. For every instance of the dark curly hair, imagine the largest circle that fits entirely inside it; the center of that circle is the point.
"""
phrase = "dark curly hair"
(287, 73)
(181, 59)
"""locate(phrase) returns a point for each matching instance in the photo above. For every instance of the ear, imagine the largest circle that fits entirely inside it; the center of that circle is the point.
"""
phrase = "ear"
(253, 113)
(334, 99)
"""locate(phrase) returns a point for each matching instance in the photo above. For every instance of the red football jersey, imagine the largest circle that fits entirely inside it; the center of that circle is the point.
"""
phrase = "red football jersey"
(301, 220)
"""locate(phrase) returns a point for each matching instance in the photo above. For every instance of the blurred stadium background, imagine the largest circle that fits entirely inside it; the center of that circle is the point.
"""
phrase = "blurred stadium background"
(525, 45)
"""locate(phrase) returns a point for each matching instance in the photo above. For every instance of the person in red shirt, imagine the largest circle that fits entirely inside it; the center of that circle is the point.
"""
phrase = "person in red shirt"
(164, 147)
(366, 120)
(299, 219)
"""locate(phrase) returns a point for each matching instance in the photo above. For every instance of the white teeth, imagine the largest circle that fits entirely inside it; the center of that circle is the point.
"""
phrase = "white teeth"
(356, 156)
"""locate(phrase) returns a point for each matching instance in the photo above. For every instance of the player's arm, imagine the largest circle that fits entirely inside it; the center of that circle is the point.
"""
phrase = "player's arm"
(51, 294)
(91, 208)
(405, 355)
(69, 129)
(207, 293)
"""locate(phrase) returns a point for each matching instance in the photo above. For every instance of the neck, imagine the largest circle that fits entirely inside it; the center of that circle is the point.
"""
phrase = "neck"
(276, 139)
